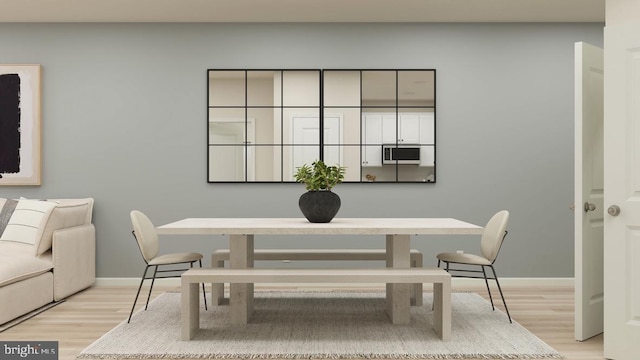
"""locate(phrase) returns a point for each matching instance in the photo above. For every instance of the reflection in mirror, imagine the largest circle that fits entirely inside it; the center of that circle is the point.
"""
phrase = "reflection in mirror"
(416, 88)
(301, 88)
(268, 167)
(261, 86)
(226, 88)
(341, 88)
(379, 88)
(227, 163)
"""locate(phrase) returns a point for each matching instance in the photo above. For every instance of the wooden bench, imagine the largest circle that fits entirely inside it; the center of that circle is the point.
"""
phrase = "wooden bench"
(190, 308)
(220, 256)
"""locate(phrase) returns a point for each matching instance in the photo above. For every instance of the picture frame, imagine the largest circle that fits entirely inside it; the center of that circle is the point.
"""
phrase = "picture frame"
(20, 127)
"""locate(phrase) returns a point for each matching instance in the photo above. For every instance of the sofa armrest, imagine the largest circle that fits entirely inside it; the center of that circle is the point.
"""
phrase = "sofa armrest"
(74, 260)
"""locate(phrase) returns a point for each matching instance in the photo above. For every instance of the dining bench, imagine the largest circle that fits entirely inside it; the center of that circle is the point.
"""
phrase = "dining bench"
(441, 280)
(219, 256)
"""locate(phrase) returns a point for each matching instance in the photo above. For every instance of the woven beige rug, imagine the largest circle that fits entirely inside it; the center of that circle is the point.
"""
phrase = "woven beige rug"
(320, 325)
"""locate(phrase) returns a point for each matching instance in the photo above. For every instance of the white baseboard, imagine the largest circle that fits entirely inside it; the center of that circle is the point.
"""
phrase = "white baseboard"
(526, 282)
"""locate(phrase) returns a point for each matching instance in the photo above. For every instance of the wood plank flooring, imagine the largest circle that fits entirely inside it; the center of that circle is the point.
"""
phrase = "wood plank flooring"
(84, 317)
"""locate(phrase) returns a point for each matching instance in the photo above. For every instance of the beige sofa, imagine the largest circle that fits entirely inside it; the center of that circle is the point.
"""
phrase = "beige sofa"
(47, 252)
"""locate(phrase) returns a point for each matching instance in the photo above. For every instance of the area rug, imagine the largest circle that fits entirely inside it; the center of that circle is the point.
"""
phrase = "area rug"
(320, 325)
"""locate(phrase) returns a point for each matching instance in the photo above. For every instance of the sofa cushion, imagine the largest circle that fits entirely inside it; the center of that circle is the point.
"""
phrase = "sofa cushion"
(6, 210)
(28, 221)
(18, 263)
(67, 213)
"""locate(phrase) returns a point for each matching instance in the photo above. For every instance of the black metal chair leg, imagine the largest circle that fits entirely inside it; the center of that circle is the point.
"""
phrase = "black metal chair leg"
(153, 280)
(204, 292)
(501, 295)
(488, 289)
(144, 274)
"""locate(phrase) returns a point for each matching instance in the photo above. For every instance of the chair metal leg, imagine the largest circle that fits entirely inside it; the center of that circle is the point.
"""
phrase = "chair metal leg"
(488, 289)
(501, 295)
(153, 280)
(144, 274)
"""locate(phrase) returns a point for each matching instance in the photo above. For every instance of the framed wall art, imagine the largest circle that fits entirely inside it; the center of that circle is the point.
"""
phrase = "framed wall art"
(20, 125)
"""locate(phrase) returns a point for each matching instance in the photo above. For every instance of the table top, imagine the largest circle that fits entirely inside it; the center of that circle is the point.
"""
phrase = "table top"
(338, 226)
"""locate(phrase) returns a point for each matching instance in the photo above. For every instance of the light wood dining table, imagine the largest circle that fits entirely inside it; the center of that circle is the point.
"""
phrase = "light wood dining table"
(397, 231)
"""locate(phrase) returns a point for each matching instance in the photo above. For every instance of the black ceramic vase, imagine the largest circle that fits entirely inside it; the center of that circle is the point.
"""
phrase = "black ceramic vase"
(319, 206)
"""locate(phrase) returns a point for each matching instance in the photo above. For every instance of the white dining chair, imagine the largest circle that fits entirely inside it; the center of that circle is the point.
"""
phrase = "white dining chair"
(147, 239)
(494, 234)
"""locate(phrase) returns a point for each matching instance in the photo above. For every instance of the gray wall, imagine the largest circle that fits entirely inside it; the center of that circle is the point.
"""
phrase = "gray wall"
(124, 122)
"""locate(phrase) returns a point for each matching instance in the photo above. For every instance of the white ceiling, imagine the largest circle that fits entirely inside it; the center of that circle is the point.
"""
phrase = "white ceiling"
(302, 11)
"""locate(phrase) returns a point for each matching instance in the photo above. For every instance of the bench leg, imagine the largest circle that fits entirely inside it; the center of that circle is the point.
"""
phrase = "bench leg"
(241, 295)
(442, 309)
(398, 295)
(416, 289)
(190, 310)
(217, 290)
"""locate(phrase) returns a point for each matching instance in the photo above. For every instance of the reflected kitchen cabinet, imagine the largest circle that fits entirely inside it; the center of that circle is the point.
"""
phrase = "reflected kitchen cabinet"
(263, 124)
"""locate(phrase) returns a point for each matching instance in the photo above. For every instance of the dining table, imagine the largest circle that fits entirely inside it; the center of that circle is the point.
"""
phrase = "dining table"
(398, 233)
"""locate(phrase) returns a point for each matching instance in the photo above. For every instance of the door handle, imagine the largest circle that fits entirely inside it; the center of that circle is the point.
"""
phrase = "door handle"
(589, 207)
(613, 210)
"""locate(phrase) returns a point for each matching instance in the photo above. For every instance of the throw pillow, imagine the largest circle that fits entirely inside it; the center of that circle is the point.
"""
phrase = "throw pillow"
(27, 222)
(6, 209)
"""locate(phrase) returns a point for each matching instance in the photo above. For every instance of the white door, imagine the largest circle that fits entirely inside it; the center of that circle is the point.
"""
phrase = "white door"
(589, 190)
(622, 189)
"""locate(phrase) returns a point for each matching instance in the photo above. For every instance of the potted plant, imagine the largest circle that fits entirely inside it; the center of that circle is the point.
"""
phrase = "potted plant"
(319, 204)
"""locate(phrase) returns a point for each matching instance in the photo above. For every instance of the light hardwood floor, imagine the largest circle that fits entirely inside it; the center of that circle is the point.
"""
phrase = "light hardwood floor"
(84, 317)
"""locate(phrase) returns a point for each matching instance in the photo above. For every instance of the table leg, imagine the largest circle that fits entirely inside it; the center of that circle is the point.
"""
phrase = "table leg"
(241, 295)
(398, 295)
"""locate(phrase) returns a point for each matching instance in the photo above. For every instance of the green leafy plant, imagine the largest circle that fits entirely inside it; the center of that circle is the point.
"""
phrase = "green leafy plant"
(319, 176)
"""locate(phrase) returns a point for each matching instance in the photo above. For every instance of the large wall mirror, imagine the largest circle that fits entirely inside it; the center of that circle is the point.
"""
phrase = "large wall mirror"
(263, 124)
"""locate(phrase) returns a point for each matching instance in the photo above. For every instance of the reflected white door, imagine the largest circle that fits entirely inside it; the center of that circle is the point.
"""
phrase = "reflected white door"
(306, 130)
(589, 190)
(622, 189)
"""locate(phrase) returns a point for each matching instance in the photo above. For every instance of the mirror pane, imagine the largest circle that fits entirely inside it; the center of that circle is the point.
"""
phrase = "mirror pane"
(301, 126)
(226, 88)
(262, 87)
(379, 88)
(379, 126)
(301, 88)
(342, 126)
(267, 122)
(378, 173)
(341, 88)
(268, 166)
(344, 155)
(416, 88)
(228, 126)
(295, 156)
(422, 172)
(226, 163)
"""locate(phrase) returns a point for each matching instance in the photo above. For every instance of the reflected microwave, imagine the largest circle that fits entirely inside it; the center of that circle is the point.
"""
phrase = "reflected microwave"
(400, 154)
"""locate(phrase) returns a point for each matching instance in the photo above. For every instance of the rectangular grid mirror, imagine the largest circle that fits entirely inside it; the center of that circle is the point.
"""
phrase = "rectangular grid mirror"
(263, 124)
